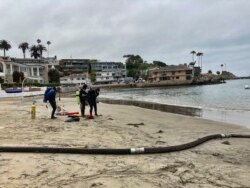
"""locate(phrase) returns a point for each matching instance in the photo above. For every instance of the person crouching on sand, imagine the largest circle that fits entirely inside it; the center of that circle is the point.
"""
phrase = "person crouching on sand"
(50, 95)
(92, 95)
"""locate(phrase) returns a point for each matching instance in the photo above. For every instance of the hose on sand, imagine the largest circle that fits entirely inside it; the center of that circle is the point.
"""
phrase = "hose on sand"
(125, 151)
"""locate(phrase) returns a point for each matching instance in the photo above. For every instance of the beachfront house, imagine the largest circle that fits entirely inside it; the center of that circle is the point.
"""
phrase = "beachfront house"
(74, 66)
(108, 72)
(105, 78)
(2, 70)
(171, 74)
(34, 70)
(105, 72)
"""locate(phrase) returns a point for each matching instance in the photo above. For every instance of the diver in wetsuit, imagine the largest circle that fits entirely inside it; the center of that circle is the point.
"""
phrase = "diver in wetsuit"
(83, 98)
(91, 96)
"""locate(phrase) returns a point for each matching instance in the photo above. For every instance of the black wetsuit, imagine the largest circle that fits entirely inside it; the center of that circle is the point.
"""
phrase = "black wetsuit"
(83, 98)
(92, 95)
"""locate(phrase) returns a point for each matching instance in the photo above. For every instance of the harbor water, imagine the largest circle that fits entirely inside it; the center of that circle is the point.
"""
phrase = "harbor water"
(228, 102)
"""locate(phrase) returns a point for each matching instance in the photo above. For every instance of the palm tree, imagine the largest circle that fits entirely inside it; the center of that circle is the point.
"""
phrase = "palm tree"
(49, 43)
(199, 54)
(41, 48)
(34, 51)
(5, 46)
(24, 46)
(221, 68)
(38, 41)
(193, 52)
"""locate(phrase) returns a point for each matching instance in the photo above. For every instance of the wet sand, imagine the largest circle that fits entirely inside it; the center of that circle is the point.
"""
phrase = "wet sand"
(237, 117)
(213, 164)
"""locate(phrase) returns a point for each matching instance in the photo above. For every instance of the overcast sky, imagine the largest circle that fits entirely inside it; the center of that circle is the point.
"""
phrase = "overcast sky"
(164, 30)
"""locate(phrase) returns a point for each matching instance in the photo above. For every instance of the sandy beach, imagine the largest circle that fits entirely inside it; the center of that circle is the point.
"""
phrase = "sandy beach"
(217, 163)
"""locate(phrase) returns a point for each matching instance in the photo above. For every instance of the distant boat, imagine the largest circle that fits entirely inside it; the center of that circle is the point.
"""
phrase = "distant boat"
(13, 90)
(247, 87)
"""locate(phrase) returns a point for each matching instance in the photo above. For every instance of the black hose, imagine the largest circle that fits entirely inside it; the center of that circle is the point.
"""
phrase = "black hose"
(127, 151)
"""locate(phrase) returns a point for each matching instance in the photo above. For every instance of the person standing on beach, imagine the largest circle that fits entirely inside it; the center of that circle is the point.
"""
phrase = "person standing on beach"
(83, 98)
(50, 95)
(92, 95)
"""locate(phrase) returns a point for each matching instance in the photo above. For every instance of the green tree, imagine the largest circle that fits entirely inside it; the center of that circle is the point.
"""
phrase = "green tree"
(24, 46)
(90, 61)
(210, 72)
(218, 72)
(38, 41)
(54, 76)
(34, 51)
(159, 64)
(132, 73)
(93, 76)
(200, 54)
(221, 68)
(5, 46)
(133, 63)
(15, 76)
(41, 48)
(21, 76)
(89, 67)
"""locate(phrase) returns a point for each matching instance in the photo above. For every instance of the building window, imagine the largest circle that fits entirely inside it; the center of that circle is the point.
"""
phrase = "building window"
(177, 77)
(163, 78)
(173, 72)
(188, 77)
(188, 71)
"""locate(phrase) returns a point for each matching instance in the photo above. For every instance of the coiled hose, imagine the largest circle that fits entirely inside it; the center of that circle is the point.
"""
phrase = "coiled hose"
(126, 151)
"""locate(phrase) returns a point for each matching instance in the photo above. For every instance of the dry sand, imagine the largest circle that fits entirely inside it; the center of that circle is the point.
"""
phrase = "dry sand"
(212, 164)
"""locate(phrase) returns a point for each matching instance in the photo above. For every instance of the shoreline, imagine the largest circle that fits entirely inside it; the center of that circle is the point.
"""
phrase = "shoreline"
(237, 117)
(225, 116)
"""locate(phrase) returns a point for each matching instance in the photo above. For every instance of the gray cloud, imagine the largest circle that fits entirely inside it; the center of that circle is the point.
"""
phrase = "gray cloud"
(164, 30)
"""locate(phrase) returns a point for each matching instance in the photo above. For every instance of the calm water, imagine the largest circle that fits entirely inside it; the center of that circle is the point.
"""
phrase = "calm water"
(229, 102)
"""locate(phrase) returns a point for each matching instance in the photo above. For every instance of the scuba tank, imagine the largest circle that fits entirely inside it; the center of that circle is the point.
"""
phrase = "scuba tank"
(33, 111)
(78, 97)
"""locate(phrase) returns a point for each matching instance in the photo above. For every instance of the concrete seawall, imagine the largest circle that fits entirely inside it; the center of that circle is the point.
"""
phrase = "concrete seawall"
(190, 111)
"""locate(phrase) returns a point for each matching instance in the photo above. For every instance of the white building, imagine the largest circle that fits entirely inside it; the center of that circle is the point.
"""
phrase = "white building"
(75, 79)
(105, 77)
(36, 70)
